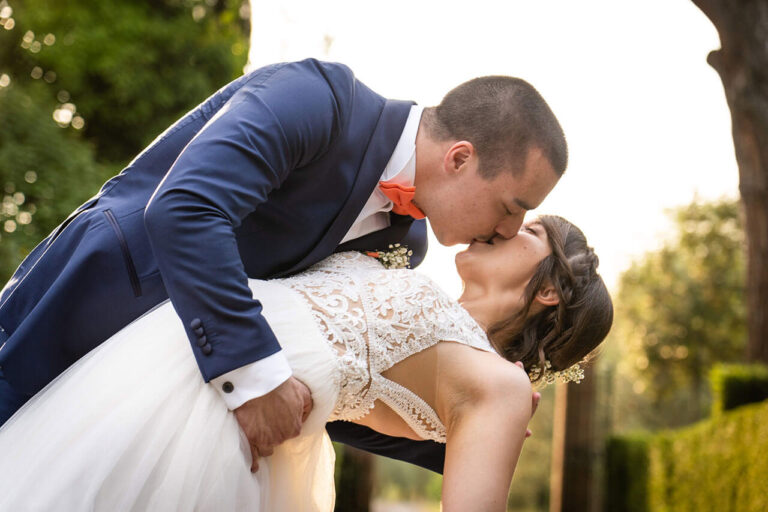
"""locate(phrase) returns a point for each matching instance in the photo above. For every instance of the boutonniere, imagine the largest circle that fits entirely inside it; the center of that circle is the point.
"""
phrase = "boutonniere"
(398, 256)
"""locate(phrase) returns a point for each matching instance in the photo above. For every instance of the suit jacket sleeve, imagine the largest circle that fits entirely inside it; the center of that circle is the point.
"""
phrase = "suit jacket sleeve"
(277, 121)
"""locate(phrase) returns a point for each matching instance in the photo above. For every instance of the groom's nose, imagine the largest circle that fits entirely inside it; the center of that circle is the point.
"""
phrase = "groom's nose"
(509, 226)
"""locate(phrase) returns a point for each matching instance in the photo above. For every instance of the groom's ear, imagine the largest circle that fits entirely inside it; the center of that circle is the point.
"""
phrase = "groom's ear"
(547, 295)
(458, 156)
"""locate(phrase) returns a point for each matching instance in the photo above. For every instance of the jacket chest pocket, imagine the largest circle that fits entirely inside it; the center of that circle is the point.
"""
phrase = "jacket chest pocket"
(134, 246)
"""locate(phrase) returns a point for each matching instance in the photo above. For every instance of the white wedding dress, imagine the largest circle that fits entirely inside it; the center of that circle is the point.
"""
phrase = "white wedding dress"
(132, 426)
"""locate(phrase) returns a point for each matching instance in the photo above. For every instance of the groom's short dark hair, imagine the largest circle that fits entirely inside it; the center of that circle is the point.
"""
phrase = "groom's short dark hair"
(503, 117)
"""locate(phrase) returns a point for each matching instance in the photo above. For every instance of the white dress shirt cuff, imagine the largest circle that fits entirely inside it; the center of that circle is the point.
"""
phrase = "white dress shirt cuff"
(253, 380)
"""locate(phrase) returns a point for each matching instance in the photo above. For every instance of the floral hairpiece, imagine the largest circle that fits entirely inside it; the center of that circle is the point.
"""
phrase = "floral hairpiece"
(396, 257)
(574, 373)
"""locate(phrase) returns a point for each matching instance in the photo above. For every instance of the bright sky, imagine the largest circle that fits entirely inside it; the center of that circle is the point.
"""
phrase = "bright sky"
(645, 115)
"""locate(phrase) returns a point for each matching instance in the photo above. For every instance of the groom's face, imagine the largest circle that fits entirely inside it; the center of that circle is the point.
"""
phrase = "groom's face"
(468, 207)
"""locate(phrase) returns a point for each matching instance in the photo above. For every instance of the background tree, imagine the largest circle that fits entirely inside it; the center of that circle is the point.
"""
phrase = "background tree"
(742, 63)
(681, 308)
(84, 86)
(42, 172)
(130, 67)
(354, 479)
(574, 446)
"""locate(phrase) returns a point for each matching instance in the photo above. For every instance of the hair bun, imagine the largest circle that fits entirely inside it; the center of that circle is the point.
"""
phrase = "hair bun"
(594, 261)
(583, 271)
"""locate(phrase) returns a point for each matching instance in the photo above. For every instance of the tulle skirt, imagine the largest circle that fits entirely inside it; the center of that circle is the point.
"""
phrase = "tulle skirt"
(132, 426)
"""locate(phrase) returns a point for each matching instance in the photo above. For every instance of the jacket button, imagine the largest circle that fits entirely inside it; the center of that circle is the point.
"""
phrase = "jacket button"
(199, 331)
(207, 349)
(195, 323)
(227, 387)
(202, 340)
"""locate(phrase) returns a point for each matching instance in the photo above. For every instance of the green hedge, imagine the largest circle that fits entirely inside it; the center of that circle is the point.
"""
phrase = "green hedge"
(735, 385)
(717, 465)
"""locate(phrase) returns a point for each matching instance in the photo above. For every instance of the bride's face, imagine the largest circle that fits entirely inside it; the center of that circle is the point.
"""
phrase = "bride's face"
(504, 267)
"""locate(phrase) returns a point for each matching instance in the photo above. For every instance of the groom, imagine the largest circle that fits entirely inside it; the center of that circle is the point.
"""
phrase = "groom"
(271, 174)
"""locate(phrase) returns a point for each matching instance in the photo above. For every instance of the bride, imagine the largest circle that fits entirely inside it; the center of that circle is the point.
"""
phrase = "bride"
(384, 348)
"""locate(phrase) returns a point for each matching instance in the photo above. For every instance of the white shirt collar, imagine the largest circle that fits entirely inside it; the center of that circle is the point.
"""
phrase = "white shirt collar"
(401, 168)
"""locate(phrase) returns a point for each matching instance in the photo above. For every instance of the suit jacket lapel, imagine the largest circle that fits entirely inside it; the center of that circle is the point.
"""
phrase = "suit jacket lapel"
(380, 148)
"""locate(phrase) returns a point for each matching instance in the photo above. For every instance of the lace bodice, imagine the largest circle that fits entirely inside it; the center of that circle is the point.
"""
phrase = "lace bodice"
(373, 318)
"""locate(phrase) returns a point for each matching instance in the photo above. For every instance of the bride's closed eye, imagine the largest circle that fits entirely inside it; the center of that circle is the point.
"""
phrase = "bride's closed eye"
(533, 227)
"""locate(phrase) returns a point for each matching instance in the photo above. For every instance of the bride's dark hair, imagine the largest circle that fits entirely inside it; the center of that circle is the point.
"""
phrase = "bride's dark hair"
(567, 332)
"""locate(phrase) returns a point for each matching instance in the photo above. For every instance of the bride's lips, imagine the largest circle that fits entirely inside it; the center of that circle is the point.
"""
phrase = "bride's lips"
(480, 243)
(474, 246)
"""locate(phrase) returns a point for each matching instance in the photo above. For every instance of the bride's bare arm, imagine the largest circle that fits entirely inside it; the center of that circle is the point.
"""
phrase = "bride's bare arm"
(488, 406)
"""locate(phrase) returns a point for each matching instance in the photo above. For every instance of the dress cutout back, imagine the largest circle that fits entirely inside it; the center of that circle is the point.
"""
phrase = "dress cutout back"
(373, 318)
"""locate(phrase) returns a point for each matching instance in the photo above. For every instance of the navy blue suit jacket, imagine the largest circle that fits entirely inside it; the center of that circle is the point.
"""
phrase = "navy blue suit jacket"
(262, 180)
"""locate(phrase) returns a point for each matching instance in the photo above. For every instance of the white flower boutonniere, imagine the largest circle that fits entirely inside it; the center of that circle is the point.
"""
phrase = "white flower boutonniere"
(396, 257)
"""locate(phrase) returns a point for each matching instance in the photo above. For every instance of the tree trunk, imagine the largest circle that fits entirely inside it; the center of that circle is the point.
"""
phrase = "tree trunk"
(355, 481)
(572, 484)
(742, 63)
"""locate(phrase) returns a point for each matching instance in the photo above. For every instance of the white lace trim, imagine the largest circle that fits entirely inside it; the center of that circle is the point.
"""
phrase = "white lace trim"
(374, 318)
(417, 413)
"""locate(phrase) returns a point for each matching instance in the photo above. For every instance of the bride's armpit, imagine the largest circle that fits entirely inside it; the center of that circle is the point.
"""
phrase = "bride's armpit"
(466, 376)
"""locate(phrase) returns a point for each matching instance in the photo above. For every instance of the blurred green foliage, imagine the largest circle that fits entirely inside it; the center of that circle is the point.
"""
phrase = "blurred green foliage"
(85, 86)
(734, 385)
(42, 172)
(129, 67)
(681, 309)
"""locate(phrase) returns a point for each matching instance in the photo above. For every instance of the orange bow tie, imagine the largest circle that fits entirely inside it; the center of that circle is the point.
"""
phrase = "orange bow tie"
(402, 197)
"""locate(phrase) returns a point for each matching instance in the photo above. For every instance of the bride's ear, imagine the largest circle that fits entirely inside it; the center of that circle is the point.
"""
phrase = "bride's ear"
(547, 296)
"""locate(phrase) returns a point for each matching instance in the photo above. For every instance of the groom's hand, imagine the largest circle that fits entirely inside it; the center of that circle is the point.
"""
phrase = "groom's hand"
(535, 403)
(535, 397)
(269, 420)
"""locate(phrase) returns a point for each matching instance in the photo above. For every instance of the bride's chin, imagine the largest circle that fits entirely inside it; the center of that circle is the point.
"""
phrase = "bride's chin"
(460, 262)
(461, 255)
